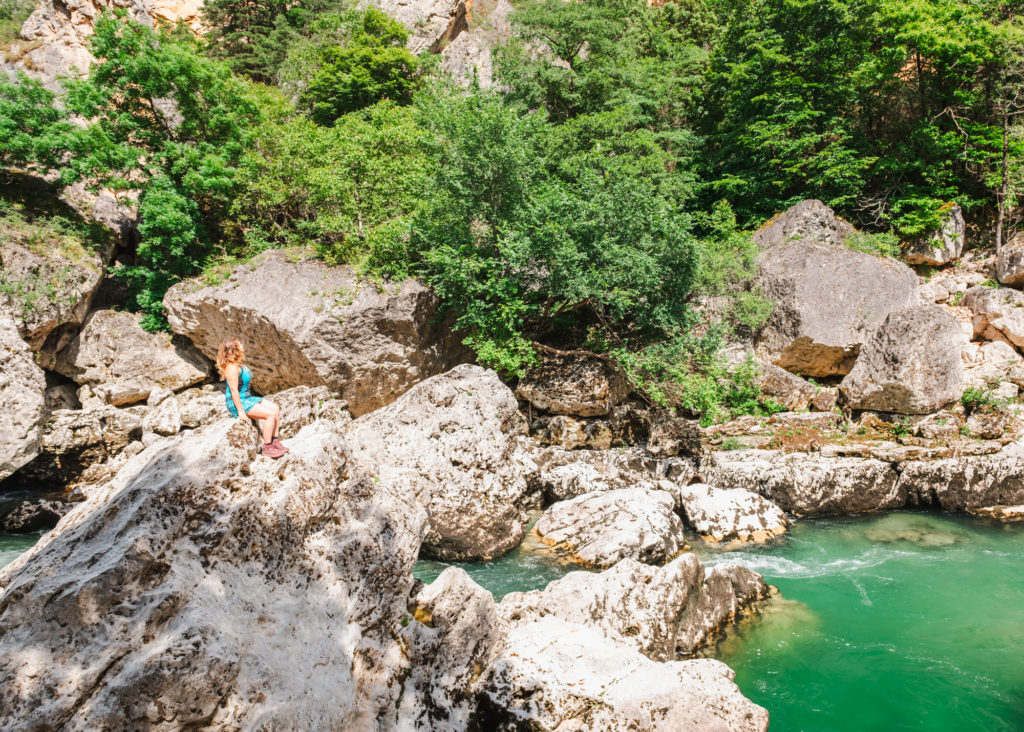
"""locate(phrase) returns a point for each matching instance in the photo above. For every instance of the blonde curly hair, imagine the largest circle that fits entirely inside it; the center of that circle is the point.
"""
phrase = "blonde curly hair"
(230, 352)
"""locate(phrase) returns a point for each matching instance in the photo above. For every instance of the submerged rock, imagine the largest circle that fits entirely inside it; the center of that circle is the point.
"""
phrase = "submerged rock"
(234, 591)
(22, 401)
(306, 323)
(731, 514)
(828, 301)
(453, 441)
(599, 529)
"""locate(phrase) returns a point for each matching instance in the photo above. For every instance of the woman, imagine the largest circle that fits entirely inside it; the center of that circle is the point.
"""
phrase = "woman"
(241, 403)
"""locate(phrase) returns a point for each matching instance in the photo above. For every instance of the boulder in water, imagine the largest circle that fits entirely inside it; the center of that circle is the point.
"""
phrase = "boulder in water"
(724, 514)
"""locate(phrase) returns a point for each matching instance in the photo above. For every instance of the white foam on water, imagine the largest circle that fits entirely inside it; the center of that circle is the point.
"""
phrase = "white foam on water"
(776, 566)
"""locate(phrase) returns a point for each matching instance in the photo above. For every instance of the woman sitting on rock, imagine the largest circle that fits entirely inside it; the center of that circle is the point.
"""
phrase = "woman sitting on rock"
(241, 403)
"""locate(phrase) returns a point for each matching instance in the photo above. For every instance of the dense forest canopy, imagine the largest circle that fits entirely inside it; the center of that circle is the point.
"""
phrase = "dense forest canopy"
(594, 198)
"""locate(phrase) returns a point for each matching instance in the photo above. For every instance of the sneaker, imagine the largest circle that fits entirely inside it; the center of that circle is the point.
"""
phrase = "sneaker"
(273, 451)
(277, 443)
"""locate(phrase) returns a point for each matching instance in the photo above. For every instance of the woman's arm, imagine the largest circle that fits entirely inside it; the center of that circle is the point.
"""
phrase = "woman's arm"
(231, 376)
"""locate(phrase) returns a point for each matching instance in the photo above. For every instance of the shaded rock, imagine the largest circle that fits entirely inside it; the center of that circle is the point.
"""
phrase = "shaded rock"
(308, 324)
(998, 313)
(301, 405)
(941, 246)
(942, 425)
(566, 474)
(828, 301)
(164, 418)
(1010, 262)
(911, 365)
(626, 424)
(22, 401)
(825, 400)
(201, 406)
(673, 436)
(573, 385)
(731, 514)
(809, 221)
(787, 389)
(661, 611)
(122, 363)
(599, 529)
(961, 483)
(809, 484)
(213, 588)
(61, 396)
(987, 424)
(552, 675)
(31, 516)
(44, 291)
(453, 442)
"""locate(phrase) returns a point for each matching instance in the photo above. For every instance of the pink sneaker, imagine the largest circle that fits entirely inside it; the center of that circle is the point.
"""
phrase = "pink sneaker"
(273, 451)
(277, 443)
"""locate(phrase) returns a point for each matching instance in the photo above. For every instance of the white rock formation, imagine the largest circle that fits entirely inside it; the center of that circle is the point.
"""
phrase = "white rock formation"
(22, 401)
(724, 514)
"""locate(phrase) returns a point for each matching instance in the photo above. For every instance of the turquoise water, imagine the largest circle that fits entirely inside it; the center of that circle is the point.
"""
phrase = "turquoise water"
(905, 621)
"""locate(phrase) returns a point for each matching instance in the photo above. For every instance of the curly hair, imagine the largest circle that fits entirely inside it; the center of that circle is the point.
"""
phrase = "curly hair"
(230, 352)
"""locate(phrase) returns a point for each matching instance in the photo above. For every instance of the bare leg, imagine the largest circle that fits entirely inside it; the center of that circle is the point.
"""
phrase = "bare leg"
(270, 414)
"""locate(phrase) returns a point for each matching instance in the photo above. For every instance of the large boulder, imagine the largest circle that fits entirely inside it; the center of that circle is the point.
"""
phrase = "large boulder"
(453, 441)
(22, 401)
(599, 529)
(47, 289)
(943, 245)
(998, 313)
(787, 389)
(208, 587)
(575, 385)
(911, 365)
(1010, 262)
(719, 514)
(809, 221)
(565, 474)
(306, 323)
(828, 301)
(809, 484)
(966, 482)
(661, 611)
(121, 363)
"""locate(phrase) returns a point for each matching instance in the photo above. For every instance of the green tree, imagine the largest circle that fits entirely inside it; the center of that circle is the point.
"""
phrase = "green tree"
(32, 128)
(370, 65)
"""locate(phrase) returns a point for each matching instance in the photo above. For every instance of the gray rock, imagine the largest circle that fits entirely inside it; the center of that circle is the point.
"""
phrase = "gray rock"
(942, 246)
(468, 55)
(661, 611)
(809, 221)
(720, 514)
(206, 586)
(164, 418)
(599, 529)
(45, 292)
(454, 442)
(122, 363)
(1010, 262)
(552, 675)
(787, 389)
(305, 323)
(969, 482)
(672, 436)
(573, 385)
(809, 484)
(998, 313)
(911, 365)
(31, 516)
(828, 301)
(22, 401)
(569, 473)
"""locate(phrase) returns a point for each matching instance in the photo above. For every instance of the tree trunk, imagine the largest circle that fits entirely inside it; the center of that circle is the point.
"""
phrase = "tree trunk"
(1001, 197)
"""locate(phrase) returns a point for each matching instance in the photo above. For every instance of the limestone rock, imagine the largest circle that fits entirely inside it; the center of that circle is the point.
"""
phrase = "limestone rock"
(661, 611)
(58, 31)
(566, 474)
(30, 516)
(551, 675)
(626, 424)
(122, 363)
(828, 301)
(721, 514)
(22, 401)
(164, 418)
(993, 361)
(201, 406)
(43, 290)
(911, 365)
(942, 246)
(969, 482)
(306, 323)
(673, 436)
(787, 389)
(1010, 262)
(574, 385)
(987, 424)
(453, 442)
(809, 221)
(599, 529)
(1008, 514)
(207, 587)
(809, 484)
(468, 55)
(825, 400)
(301, 405)
(998, 313)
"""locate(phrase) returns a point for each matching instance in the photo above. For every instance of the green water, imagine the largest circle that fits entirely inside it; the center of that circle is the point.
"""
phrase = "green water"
(898, 622)
(12, 545)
